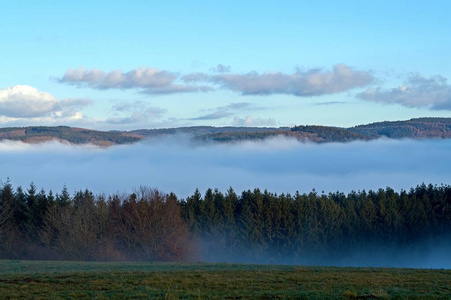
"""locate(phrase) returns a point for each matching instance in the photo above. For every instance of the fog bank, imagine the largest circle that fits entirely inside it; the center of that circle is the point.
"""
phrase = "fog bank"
(178, 165)
(430, 254)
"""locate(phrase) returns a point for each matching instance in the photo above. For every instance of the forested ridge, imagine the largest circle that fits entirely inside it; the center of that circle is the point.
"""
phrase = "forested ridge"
(37, 134)
(149, 225)
(419, 128)
(413, 128)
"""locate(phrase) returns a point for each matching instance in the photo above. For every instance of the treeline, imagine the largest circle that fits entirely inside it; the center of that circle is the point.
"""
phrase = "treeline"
(329, 134)
(265, 227)
(145, 225)
(413, 128)
(224, 137)
(252, 226)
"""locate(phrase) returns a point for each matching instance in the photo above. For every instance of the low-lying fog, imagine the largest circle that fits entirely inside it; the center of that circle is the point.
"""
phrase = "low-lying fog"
(279, 165)
(429, 254)
(178, 165)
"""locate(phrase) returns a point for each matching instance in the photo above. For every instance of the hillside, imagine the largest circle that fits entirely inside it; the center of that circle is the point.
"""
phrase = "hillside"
(419, 128)
(67, 134)
(202, 130)
(414, 128)
(113, 280)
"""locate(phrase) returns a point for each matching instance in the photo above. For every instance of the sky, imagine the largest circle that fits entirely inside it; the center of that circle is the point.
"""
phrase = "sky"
(156, 64)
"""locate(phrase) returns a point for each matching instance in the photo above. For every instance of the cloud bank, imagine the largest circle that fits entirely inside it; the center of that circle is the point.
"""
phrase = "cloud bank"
(417, 91)
(279, 165)
(312, 82)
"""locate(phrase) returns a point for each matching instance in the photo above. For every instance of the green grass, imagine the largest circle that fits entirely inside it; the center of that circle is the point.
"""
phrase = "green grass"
(49, 279)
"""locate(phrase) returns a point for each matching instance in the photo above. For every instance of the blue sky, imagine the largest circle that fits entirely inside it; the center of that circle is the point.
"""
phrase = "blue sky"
(153, 64)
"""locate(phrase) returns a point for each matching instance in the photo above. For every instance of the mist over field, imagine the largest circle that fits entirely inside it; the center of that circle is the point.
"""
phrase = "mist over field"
(280, 165)
(428, 254)
(179, 165)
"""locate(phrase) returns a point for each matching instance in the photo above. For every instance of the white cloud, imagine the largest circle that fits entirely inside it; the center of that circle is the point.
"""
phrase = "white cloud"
(214, 115)
(313, 82)
(221, 69)
(23, 101)
(137, 112)
(26, 102)
(224, 111)
(417, 91)
(150, 80)
(249, 121)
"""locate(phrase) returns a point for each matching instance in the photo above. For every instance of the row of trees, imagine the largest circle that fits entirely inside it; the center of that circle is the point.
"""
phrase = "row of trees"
(254, 226)
(145, 225)
(264, 227)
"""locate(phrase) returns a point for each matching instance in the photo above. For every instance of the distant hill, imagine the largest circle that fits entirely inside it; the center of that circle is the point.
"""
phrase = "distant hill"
(329, 134)
(37, 134)
(203, 130)
(420, 128)
(414, 128)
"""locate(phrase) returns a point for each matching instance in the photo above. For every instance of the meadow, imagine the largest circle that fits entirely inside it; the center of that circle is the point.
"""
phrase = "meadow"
(124, 280)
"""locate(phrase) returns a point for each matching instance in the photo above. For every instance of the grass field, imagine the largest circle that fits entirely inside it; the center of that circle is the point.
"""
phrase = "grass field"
(50, 279)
